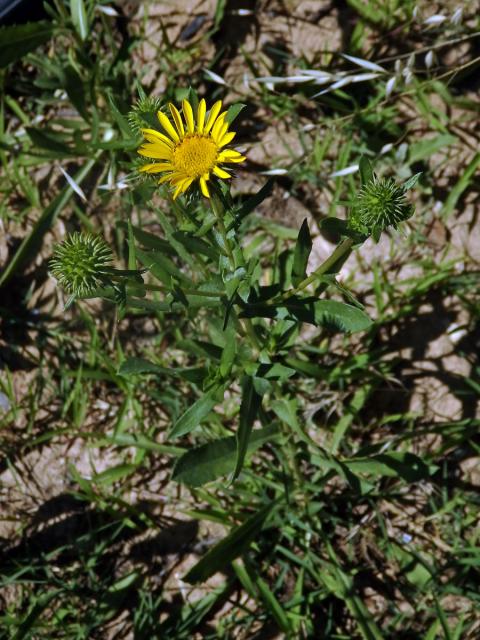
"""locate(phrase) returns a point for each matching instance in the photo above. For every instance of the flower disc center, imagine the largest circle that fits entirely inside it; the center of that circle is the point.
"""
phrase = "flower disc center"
(195, 155)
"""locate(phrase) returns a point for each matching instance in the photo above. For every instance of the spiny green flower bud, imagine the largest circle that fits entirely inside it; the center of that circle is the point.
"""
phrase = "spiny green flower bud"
(144, 113)
(381, 203)
(81, 263)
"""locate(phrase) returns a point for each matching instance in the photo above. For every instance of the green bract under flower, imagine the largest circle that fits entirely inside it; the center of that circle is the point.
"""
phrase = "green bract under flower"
(380, 204)
(81, 263)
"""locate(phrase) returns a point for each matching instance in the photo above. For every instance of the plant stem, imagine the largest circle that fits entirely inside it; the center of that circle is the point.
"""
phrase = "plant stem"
(341, 253)
(188, 292)
(223, 232)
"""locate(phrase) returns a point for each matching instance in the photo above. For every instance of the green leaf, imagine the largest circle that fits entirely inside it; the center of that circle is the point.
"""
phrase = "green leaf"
(215, 459)
(251, 402)
(341, 316)
(219, 13)
(228, 353)
(18, 40)
(332, 314)
(301, 254)
(111, 475)
(338, 227)
(461, 185)
(411, 182)
(274, 606)
(50, 141)
(196, 413)
(136, 366)
(140, 365)
(150, 241)
(132, 257)
(366, 170)
(139, 441)
(229, 548)
(407, 466)
(74, 86)
(233, 111)
(40, 604)
(119, 118)
(426, 148)
(160, 266)
(196, 245)
(273, 371)
(247, 207)
(79, 18)
(31, 244)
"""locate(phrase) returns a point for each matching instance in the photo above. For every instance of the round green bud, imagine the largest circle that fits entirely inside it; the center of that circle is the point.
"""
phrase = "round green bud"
(82, 263)
(380, 204)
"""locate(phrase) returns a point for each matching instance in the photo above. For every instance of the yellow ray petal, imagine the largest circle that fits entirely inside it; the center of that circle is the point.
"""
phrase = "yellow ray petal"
(221, 173)
(188, 113)
(168, 177)
(182, 187)
(202, 108)
(212, 116)
(158, 146)
(218, 125)
(155, 151)
(155, 136)
(177, 118)
(179, 176)
(229, 155)
(156, 167)
(167, 125)
(222, 132)
(203, 186)
(228, 137)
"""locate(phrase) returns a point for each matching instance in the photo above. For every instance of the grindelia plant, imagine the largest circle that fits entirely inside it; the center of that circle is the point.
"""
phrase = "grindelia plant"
(241, 313)
(190, 151)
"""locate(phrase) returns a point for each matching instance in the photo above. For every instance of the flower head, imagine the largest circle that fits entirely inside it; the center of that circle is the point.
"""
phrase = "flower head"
(381, 203)
(191, 150)
(81, 263)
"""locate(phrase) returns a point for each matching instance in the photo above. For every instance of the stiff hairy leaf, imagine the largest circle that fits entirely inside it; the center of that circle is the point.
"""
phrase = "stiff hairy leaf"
(247, 207)
(366, 170)
(233, 111)
(251, 402)
(331, 314)
(215, 459)
(301, 254)
(193, 416)
(18, 40)
(407, 466)
(136, 366)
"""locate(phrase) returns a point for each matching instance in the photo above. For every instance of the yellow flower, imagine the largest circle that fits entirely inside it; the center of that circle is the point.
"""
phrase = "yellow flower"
(192, 150)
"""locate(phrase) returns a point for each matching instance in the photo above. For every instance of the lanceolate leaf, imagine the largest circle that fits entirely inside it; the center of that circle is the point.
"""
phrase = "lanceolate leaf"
(196, 413)
(340, 316)
(233, 111)
(79, 17)
(328, 313)
(253, 202)
(229, 548)
(301, 254)
(366, 170)
(396, 463)
(18, 40)
(251, 402)
(215, 459)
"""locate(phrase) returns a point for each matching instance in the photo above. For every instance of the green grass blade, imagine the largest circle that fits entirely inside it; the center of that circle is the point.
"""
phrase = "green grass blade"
(230, 547)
